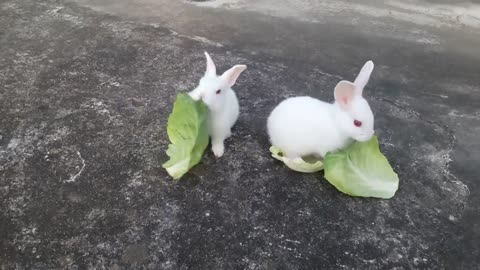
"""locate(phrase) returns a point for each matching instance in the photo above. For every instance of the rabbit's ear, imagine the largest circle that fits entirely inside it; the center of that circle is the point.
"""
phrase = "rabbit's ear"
(232, 74)
(363, 76)
(344, 93)
(211, 70)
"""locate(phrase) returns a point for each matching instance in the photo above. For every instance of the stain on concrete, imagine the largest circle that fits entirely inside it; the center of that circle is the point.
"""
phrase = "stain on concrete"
(135, 254)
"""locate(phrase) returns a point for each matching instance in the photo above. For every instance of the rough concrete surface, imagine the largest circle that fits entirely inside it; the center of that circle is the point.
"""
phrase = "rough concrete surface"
(86, 88)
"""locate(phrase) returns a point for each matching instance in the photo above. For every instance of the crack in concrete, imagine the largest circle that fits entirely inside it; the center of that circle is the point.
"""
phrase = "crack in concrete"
(198, 38)
(74, 178)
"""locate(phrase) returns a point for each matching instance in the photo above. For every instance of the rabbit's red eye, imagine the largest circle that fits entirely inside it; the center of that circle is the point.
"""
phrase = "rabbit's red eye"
(218, 91)
(357, 123)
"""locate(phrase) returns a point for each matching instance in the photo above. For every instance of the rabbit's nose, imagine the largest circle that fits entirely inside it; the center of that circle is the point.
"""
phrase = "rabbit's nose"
(195, 95)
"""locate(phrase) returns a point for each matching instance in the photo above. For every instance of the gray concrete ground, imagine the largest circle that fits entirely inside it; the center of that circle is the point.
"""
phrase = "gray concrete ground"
(86, 88)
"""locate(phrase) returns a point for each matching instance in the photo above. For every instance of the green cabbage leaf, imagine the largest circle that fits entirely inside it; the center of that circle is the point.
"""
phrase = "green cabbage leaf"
(187, 130)
(304, 165)
(359, 170)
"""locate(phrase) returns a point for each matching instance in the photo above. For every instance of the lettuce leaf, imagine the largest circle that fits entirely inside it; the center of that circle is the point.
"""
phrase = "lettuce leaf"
(361, 170)
(298, 164)
(187, 130)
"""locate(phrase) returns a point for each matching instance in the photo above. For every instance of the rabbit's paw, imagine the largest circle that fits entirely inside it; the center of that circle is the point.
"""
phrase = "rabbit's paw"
(218, 149)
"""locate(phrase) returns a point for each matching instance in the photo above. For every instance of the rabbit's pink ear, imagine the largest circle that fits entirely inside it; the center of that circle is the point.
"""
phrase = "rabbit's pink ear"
(344, 93)
(211, 70)
(363, 77)
(232, 74)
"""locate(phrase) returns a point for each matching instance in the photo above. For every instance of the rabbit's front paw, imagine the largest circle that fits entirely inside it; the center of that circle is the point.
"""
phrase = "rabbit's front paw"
(218, 149)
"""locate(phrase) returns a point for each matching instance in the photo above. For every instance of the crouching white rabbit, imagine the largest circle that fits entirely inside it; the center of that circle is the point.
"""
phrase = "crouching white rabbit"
(216, 92)
(302, 126)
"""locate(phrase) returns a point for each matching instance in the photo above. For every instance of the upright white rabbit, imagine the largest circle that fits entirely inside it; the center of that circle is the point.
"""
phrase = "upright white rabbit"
(216, 92)
(302, 126)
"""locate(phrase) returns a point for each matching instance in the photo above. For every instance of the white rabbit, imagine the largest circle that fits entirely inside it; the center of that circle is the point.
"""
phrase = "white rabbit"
(302, 126)
(216, 92)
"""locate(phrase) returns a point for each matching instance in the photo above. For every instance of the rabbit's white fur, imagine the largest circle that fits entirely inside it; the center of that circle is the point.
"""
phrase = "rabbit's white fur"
(216, 92)
(302, 126)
